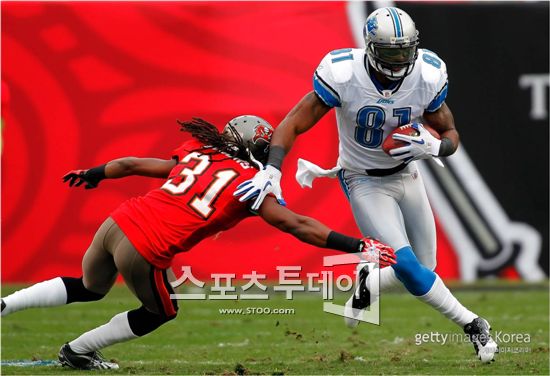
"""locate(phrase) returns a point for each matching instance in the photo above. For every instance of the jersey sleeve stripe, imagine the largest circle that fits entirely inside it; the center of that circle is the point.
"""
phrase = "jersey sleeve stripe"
(327, 94)
(437, 102)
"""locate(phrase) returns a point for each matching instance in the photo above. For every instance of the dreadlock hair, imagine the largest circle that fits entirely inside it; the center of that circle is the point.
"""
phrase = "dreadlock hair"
(211, 137)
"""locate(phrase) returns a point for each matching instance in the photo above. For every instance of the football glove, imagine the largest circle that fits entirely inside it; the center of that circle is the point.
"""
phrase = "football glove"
(266, 181)
(91, 177)
(423, 146)
(377, 252)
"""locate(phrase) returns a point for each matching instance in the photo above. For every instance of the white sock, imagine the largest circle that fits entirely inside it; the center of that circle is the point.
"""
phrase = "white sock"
(115, 331)
(44, 294)
(441, 299)
(385, 280)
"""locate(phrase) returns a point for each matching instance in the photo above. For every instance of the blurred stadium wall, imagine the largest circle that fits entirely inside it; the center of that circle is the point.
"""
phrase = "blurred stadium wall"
(83, 83)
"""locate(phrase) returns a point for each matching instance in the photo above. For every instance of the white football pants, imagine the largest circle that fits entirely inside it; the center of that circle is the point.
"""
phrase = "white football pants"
(394, 209)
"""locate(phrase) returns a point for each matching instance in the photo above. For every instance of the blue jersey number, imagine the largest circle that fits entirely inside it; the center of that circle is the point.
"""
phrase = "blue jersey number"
(345, 55)
(368, 132)
(432, 60)
(371, 119)
(403, 115)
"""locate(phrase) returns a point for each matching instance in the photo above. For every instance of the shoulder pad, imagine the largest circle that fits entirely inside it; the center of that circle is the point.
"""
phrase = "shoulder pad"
(339, 64)
(432, 68)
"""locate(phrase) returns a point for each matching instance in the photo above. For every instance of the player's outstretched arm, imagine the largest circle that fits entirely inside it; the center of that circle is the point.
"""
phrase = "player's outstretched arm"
(268, 180)
(119, 168)
(304, 228)
(150, 167)
(314, 232)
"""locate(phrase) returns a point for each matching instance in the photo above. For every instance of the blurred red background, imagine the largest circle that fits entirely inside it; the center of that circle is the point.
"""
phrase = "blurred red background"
(90, 82)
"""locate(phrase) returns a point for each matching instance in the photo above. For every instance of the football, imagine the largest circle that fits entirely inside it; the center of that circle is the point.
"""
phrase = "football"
(407, 129)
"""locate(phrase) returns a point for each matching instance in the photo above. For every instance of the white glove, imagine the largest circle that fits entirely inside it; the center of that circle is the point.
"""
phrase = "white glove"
(423, 146)
(266, 181)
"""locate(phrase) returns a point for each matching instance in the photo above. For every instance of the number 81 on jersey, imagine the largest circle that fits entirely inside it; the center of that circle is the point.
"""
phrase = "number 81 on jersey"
(371, 119)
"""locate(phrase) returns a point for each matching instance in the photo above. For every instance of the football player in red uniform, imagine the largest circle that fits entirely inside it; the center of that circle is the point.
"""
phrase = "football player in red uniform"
(142, 236)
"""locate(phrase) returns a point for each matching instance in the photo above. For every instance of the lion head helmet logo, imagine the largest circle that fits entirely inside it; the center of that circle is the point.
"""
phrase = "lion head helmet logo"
(262, 133)
(372, 26)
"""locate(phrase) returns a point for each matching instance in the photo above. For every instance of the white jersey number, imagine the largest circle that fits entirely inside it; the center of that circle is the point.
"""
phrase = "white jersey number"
(201, 203)
(188, 174)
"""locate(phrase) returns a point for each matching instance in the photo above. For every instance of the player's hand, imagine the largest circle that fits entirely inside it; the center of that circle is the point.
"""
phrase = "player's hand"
(375, 251)
(423, 146)
(266, 181)
(79, 177)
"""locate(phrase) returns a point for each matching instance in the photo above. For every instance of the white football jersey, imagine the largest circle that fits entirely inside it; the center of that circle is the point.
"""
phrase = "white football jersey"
(366, 113)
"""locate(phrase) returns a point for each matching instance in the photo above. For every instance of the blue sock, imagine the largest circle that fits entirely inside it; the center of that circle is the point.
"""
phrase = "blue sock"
(416, 277)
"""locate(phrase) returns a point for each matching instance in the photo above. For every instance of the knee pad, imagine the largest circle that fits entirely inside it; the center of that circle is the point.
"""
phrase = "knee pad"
(417, 278)
(143, 321)
(77, 292)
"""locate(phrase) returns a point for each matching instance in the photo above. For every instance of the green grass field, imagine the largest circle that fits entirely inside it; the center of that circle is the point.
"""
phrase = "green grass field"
(203, 341)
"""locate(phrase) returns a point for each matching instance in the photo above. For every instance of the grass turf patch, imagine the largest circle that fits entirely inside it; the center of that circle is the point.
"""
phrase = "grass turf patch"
(201, 340)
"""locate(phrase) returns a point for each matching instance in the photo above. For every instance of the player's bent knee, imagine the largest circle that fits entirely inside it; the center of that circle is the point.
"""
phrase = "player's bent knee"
(142, 321)
(77, 292)
(407, 263)
(417, 278)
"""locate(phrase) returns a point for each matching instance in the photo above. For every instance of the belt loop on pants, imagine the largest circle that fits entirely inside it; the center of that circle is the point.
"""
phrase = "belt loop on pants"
(385, 171)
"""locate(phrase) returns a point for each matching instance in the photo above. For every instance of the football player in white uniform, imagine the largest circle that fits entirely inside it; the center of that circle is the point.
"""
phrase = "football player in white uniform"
(373, 91)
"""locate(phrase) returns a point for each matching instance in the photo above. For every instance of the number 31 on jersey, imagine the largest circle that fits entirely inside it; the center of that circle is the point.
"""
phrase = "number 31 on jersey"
(201, 203)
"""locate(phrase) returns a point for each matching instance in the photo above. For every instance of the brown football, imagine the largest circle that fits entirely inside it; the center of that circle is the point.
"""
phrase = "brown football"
(407, 129)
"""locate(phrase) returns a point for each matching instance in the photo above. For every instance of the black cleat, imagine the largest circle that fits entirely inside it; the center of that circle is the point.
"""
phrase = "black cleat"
(479, 333)
(360, 298)
(89, 361)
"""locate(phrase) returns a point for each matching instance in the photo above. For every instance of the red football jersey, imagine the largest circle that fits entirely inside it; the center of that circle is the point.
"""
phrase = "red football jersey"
(195, 202)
